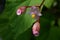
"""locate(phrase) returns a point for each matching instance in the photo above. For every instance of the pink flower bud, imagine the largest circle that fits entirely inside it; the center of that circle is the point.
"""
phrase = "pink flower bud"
(36, 29)
(19, 12)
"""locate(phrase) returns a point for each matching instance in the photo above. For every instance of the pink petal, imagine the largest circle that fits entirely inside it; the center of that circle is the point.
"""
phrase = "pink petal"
(35, 33)
(36, 29)
(19, 12)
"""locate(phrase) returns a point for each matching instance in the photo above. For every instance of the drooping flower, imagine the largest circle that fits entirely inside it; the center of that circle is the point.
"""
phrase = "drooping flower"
(36, 29)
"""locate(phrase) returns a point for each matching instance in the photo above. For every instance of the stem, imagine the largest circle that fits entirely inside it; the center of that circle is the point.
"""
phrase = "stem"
(40, 8)
(37, 6)
(42, 3)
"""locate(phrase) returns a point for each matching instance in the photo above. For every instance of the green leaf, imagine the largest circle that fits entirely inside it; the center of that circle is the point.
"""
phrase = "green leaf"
(16, 25)
(48, 3)
(27, 35)
(22, 23)
(15, 0)
(54, 34)
(26, 3)
(35, 2)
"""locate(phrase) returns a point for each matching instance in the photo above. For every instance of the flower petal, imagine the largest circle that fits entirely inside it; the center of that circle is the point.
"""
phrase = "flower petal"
(19, 12)
(36, 29)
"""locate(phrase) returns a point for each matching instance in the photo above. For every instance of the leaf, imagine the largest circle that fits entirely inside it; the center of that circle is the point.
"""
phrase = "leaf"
(26, 3)
(15, 1)
(48, 3)
(35, 2)
(16, 25)
(22, 23)
(54, 33)
(25, 36)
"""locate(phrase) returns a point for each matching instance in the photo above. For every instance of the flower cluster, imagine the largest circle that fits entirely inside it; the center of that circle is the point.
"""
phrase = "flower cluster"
(35, 13)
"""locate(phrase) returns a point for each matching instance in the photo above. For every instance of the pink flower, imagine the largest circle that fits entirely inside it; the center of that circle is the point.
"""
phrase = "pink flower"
(36, 29)
(21, 10)
(35, 10)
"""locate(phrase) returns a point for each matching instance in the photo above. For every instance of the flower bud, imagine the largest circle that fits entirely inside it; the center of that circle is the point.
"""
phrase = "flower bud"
(36, 29)
(21, 10)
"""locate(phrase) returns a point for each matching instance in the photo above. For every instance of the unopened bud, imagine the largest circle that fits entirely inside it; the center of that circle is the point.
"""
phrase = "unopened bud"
(21, 10)
(36, 29)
